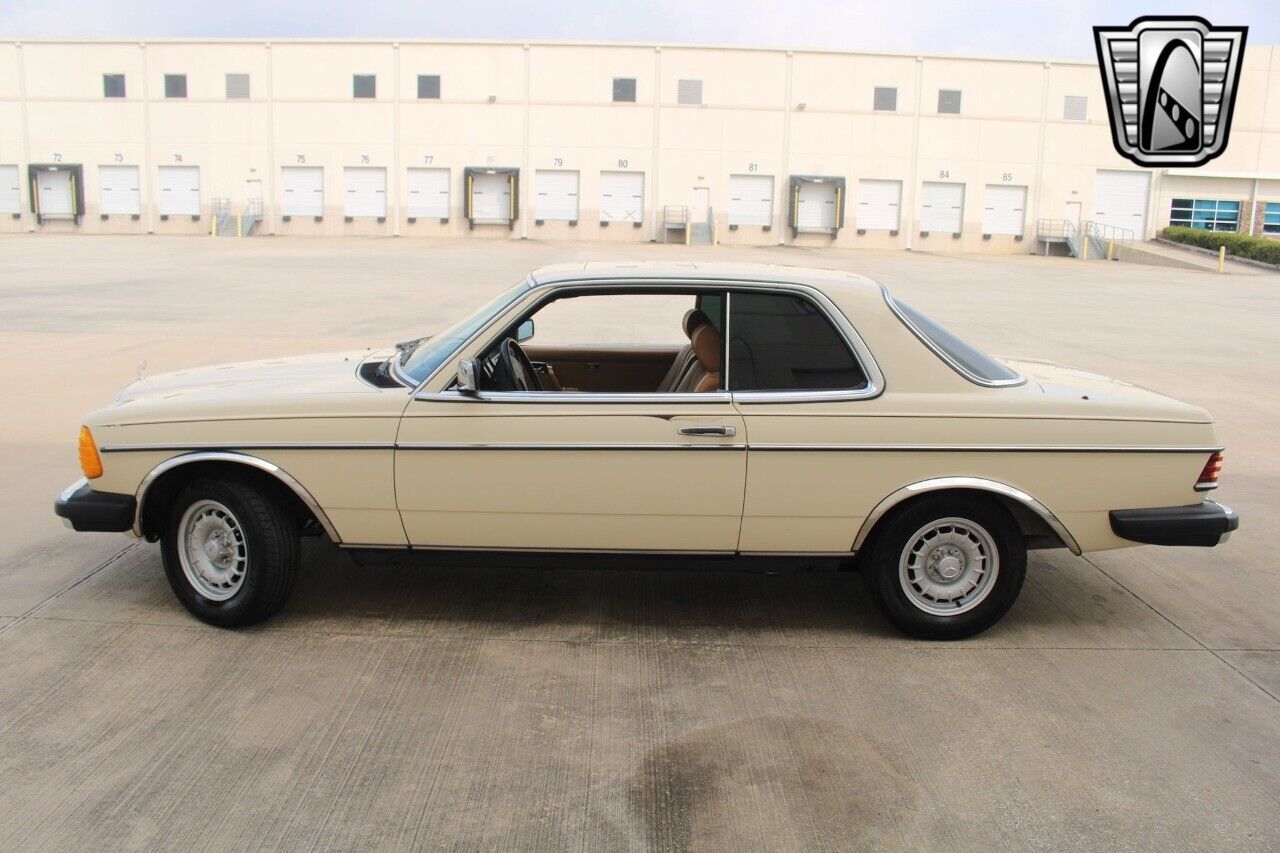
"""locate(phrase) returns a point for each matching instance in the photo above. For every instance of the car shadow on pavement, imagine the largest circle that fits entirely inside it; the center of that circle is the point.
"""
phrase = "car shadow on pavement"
(1066, 602)
(587, 600)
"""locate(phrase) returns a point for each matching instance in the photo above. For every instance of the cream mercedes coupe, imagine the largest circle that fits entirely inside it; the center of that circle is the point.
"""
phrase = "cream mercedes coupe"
(660, 411)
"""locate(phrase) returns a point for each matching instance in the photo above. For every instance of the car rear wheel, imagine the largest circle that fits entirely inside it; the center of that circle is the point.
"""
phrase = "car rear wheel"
(946, 567)
(230, 552)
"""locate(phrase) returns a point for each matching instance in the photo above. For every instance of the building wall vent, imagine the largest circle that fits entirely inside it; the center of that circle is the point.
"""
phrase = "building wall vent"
(689, 91)
(237, 87)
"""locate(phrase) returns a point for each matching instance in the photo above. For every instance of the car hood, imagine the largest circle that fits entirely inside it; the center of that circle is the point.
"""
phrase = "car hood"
(1064, 383)
(320, 373)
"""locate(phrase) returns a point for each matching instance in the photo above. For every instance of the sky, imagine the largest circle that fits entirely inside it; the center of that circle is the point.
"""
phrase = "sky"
(1033, 28)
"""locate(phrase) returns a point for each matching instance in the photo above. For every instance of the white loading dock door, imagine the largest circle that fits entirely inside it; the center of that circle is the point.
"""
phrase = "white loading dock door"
(179, 191)
(622, 196)
(816, 206)
(942, 208)
(751, 200)
(54, 189)
(557, 198)
(428, 193)
(302, 190)
(119, 190)
(365, 192)
(491, 197)
(10, 190)
(1004, 209)
(1120, 200)
(879, 205)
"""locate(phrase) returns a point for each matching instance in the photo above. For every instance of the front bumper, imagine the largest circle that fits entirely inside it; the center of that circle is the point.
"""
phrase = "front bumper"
(1203, 524)
(84, 510)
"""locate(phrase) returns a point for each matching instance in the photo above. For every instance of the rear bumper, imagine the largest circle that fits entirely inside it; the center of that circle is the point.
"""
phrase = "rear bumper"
(87, 511)
(1203, 524)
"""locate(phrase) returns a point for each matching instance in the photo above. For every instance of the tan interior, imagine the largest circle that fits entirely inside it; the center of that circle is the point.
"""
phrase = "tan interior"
(601, 369)
(695, 368)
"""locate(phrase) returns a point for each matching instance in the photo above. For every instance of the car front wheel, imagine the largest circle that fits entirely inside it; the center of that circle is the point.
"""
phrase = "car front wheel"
(945, 567)
(230, 552)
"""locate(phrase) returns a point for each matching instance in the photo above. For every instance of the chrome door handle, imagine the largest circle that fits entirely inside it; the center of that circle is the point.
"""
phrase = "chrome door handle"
(726, 431)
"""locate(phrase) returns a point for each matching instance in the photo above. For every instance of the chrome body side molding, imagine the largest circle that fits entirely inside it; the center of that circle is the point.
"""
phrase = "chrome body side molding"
(981, 448)
(974, 483)
(248, 445)
(578, 447)
(770, 448)
(239, 459)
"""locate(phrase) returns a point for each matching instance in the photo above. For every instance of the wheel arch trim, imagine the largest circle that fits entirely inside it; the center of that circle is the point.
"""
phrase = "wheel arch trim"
(270, 468)
(980, 484)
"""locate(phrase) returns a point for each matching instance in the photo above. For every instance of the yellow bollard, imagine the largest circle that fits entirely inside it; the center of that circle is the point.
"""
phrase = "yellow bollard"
(213, 228)
(1111, 250)
(1222, 259)
(1084, 248)
(239, 230)
(688, 234)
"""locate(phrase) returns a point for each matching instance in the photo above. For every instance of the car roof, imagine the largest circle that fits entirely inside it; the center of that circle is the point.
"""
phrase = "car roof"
(622, 271)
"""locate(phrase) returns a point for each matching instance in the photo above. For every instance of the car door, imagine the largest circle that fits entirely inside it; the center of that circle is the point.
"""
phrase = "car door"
(570, 470)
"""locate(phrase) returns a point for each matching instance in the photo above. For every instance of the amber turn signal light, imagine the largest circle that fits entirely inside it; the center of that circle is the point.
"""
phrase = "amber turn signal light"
(90, 461)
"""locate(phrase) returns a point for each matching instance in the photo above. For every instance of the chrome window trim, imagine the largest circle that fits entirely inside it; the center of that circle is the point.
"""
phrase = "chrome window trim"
(845, 328)
(975, 483)
(557, 397)
(274, 470)
(942, 354)
(875, 378)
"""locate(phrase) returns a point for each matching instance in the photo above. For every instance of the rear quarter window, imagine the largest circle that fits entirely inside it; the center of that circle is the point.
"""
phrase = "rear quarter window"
(783, 342)
(969, 361)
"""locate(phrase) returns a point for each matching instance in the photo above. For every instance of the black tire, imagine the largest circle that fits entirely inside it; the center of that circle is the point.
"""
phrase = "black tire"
(270, 535)
(890, 540)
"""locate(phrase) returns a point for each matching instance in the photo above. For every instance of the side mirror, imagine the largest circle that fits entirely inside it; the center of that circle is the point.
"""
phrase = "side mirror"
(524, 331)
(468, 370)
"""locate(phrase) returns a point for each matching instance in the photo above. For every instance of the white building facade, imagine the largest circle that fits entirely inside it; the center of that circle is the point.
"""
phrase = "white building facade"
(596, 141)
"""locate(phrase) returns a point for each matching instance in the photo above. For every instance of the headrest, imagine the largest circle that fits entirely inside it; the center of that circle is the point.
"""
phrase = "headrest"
(693, 318)
(706, 346)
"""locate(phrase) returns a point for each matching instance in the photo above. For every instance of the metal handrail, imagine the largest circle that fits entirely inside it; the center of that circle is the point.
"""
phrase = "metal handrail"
(675, 215)
(1054, 229)
(1099, 231)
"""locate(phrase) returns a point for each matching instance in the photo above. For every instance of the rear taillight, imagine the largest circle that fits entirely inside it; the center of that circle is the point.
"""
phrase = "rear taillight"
(1208, 478)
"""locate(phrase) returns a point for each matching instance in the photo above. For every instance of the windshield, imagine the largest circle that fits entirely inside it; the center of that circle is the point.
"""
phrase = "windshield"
(420, 362)
(970, 362)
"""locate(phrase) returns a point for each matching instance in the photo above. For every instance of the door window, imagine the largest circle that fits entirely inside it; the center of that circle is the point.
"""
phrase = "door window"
(656, 341)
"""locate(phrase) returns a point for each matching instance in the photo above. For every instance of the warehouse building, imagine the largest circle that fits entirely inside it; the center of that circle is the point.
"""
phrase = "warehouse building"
(596, 142)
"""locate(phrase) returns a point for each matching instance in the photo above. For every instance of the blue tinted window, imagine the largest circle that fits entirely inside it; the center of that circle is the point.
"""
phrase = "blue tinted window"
(1207, 214)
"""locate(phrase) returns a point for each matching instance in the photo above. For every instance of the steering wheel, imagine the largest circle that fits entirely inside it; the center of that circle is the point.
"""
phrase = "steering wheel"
(515, 372)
